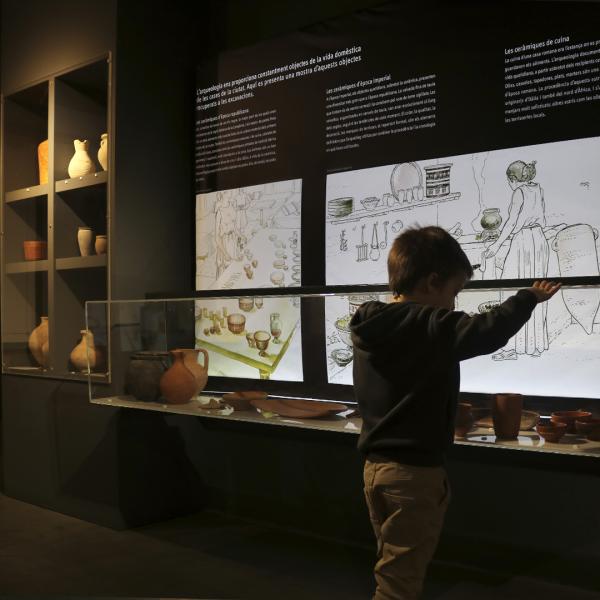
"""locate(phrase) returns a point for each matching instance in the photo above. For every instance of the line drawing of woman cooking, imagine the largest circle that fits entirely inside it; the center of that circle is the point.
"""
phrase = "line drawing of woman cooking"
(521, 251)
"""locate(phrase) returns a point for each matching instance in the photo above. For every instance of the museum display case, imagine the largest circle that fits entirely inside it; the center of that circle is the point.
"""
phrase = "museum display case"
(55, 217)
(286, 359)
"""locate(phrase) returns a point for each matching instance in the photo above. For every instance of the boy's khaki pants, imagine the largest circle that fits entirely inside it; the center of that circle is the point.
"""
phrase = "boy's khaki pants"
(407, 506)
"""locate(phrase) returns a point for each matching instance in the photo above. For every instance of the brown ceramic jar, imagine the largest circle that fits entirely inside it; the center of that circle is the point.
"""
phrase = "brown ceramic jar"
(506, 415)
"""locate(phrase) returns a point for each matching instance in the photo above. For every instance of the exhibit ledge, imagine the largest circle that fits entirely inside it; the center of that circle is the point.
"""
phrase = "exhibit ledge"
(348, 422)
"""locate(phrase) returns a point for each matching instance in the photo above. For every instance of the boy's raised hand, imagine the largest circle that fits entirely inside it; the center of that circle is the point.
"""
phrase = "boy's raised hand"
(544, 290)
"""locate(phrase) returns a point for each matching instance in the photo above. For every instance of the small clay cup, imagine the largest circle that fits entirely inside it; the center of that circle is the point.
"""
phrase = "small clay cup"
(506, 415)
(35, 250)
(587, 426)
(464, 420)
(568, 417)
(551, 431)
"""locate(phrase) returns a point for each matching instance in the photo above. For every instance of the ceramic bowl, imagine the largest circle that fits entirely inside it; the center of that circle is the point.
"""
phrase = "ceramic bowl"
(551, 431)
(587, 426)
(568, 417)
(236, 323)
(342, 356)
(370, 203)
(277, 277)
(279, 263)
(246, 303)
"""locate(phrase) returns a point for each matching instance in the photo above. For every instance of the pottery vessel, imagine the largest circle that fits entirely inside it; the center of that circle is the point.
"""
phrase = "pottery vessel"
(236, 323)
(43, 161)
(199, 371)
(81, 164)
(39, 342)
(464, 420)
(491, 219)
(242, 400)
(103, 151)
(35, 250)
(551, 431)
(86, 349)
(246, 303)
(85, 235)
(178, 385)
(101, 244)
(144, 371)
(568, 417)
(587, 426)
(506, 415)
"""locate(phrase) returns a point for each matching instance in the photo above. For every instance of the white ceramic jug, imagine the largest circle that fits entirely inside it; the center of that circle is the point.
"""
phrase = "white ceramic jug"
(103, 151)
(81, 163)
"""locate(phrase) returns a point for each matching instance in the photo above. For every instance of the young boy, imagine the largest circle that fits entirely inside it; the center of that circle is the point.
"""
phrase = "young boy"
(406, 380)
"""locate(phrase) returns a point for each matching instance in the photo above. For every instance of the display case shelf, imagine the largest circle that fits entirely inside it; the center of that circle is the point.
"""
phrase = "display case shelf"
(28, 193)
(85, 181)
(26, 266)
(81, 262)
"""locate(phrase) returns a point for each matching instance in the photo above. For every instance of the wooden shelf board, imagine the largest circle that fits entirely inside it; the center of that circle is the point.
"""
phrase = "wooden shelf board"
(85, 181)
(81, 262)
(35, 191)
(26, 266)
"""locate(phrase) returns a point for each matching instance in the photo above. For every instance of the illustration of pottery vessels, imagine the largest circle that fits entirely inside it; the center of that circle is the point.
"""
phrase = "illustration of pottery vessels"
(575, 248)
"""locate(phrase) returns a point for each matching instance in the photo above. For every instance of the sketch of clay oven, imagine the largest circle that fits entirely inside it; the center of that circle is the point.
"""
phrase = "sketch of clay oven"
(577, 255)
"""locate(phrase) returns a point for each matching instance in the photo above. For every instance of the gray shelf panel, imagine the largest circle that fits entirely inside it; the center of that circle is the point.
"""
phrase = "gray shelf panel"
(81, 262)
(26, 266)
(65, 185)
(27, 193)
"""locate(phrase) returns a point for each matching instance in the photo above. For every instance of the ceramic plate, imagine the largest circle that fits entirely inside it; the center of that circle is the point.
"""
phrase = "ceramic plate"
(300, 409)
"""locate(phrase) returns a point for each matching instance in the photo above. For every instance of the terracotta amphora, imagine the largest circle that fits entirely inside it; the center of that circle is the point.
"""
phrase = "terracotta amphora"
(506, 415)
(39, 342)
(179, 384)
(84, 350)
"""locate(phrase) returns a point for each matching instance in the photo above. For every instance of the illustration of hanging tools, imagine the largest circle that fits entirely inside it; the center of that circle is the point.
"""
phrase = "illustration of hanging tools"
(375, 254)
(383, 244)
(343, 241)
(362, 248)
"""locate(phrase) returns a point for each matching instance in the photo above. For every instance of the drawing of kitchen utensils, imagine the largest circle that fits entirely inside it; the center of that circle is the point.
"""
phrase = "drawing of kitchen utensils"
(362, 248)
(343, 241)
(383, 244)
(375, 253)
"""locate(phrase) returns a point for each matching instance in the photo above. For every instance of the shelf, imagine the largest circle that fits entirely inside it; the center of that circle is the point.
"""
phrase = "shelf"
(81, 262)
(68, 375)
(27, 193)
(357, 215)
(85, 181)
(74, 376)
(26, 266)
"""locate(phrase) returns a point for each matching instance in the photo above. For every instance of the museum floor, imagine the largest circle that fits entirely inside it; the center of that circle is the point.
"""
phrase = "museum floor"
(45, 554)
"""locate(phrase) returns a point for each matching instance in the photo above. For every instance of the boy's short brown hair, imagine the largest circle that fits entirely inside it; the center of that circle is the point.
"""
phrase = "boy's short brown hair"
(418, 252)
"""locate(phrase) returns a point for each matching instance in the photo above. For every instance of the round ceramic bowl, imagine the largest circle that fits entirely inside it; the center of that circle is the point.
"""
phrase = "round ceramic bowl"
(236, 323)
(568, 417)
(277, 277)
(551, 431)
(342, 356)
(246, 303)
(587, 426)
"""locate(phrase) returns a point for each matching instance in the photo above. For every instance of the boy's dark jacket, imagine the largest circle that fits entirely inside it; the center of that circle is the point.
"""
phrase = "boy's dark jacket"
(407, 374)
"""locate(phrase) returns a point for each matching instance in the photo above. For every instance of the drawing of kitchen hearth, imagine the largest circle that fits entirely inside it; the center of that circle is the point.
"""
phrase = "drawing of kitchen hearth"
(518, 213)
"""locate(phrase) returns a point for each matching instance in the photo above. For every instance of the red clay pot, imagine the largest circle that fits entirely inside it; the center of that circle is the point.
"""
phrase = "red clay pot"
(464, 420)
(506, 415)
(568, 417)
(34, 250)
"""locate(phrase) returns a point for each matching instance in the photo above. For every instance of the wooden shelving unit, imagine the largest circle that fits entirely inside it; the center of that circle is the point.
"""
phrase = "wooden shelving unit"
(74, 104)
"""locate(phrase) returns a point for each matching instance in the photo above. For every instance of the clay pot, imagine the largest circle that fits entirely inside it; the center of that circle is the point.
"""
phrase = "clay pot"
(81, 164)
(551, 431)
(34, 250)
(84, 240)
(464, 420)
(506, 415)
(587, 426)
(43, 161)
(200, 372)
(142, 378)
(179, 385)
(86, 349)
(103, 151)
(568, 417)
(101, 244)
(39, 343)
(246, 303)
